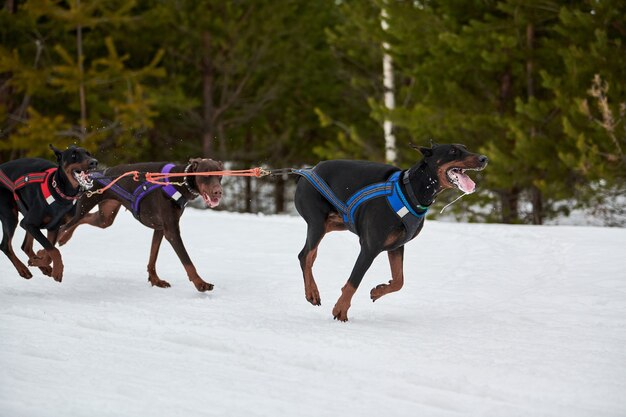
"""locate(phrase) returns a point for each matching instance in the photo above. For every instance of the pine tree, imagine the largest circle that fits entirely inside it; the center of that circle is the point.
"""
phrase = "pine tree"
(84, 83)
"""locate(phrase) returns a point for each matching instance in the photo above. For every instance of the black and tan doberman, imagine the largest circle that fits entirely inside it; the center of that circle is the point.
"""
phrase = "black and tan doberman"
(382, 204)
(45, 194)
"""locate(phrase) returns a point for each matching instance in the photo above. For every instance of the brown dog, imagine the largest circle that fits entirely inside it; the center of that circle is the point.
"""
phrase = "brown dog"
(155, 206)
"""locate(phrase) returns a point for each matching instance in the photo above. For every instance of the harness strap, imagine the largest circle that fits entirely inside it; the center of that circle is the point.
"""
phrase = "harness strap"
(41, 178)
(323, 188)
(143, 190)
(390, 189)
(6, 181)
(381, 189)
(399, 203)
(45, 190)
(170, 190)
(407, 186)
(100, 178)
(140, 192)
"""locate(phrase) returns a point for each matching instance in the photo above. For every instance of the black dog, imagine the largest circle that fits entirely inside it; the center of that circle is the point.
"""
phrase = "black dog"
(45, 194)
(155, 206)
(384, 206)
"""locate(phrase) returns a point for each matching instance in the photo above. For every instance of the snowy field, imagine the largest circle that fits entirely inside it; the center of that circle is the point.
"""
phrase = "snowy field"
(493, 320)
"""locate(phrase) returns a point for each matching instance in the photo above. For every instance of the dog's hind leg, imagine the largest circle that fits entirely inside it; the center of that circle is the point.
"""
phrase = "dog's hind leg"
(8, 218)
(307, 256)
(153, 278)
(396, 258)
(103, 218)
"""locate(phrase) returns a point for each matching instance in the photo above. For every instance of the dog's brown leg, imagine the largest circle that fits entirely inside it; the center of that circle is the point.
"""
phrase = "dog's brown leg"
(57, 264)
(21, 268)
(363, 262)
(153, 278)
(315, 234)
(340, 311)
(311, 292)
(41, 257)
(44, 258)
(50, 251)
(172, 234)
(107, 211)
(396, 258)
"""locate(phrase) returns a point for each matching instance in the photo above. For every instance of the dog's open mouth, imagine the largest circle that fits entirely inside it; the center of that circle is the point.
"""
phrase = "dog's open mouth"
(461, 180)
(84, 180)
(211, 202)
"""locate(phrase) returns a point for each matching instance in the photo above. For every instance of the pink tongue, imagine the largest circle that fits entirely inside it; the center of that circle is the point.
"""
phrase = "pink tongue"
(466, 184)
(211, 202)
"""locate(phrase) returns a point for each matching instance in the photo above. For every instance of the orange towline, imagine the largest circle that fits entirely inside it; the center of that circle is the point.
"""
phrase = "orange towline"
(159, 177)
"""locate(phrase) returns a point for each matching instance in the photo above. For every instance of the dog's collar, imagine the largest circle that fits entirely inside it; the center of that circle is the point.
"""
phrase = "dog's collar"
(186, 182)
(60, 193)
(409, 190)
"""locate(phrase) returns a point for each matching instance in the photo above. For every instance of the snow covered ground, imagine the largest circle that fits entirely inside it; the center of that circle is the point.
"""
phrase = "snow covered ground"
(493, 321)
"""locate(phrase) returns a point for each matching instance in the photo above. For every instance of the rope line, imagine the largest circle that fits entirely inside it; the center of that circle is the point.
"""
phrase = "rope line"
(159, 177)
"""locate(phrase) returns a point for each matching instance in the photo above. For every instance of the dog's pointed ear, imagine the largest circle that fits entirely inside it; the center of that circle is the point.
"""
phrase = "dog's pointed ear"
(194, 162)
(422, 149)
(426, 151)
(57, 153)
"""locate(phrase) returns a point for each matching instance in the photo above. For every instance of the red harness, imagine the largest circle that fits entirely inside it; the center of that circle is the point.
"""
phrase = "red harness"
(40, 178)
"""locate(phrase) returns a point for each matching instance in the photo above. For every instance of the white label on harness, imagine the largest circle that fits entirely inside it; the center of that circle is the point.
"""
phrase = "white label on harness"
(176, 195)
(402, 212)
(50, 199)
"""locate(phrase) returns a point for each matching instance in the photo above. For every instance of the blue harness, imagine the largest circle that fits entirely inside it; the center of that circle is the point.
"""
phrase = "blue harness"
(143, 190)
(389, 189)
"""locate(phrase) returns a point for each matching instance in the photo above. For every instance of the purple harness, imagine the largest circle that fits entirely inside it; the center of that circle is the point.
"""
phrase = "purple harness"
(143, 190)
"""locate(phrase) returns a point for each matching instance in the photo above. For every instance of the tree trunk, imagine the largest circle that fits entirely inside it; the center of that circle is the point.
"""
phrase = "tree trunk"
(208, 107)
(6, 91)
(248, 188)
(11, 6)
(505, 91)
(390, 101)
(510, 203)
(279, 194)
(537, 201)
(248, 196)
(81, 72)
(221, 137)
(537, 198)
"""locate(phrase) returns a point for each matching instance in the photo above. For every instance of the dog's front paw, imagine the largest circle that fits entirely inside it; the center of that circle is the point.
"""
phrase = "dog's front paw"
(313, 296)
(340, 312)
